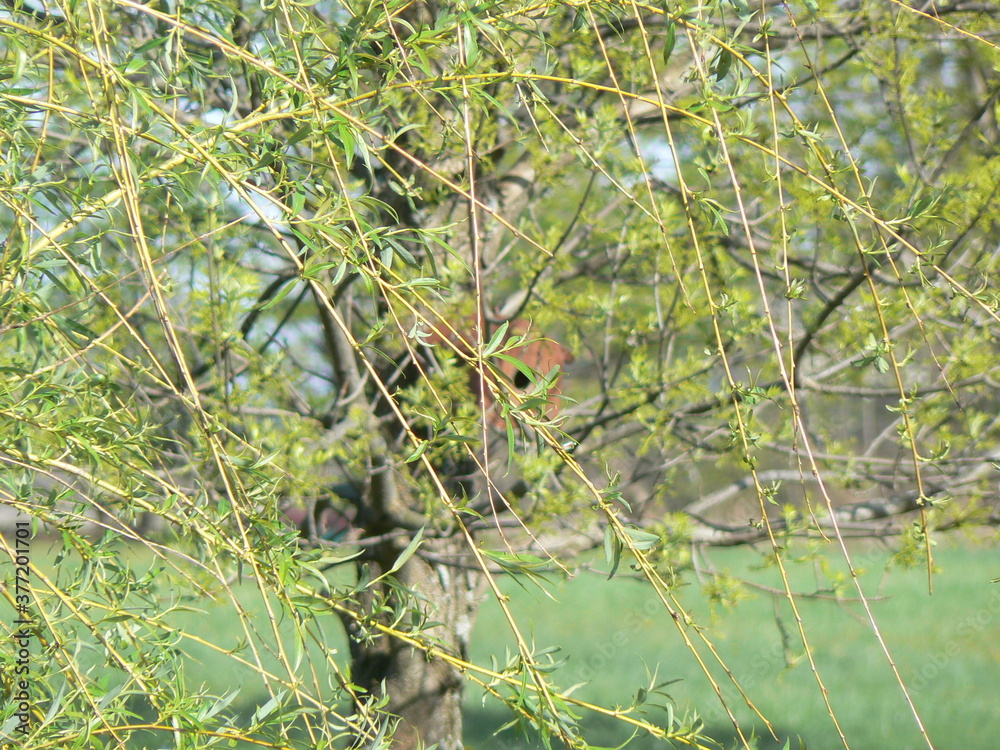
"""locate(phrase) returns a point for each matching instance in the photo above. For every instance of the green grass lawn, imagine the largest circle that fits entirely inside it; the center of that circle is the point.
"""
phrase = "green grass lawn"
(945, 646)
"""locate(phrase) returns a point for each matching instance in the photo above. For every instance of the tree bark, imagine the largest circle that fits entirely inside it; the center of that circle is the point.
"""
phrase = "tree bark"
(425, 694)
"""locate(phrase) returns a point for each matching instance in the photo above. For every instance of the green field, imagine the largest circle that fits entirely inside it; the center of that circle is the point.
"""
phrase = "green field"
(612, 632)
(946, 647)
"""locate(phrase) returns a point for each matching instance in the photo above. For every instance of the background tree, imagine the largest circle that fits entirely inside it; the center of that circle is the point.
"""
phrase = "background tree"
(437, 292)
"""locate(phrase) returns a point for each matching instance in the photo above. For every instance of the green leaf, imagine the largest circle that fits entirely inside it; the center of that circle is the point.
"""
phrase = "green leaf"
(521, 366)
(268, 708)
(417, 452)
(669, 42)
(497, 339)
(423, 281)
(219, 705)
(642, 539)
(514, 560)
(282, 293)
(723, 61)
(612, 549)
(299, 134)
(407, 553)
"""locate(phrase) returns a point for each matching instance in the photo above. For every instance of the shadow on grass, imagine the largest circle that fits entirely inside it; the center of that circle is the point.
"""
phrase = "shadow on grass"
(600, 731)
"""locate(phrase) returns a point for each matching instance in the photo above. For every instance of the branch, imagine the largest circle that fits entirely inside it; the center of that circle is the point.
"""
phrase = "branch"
(733, 489)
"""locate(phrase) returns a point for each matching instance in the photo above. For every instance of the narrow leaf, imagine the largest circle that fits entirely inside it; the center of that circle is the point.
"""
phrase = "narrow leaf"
(521, 366)
(613, 549)
(497, 339)
(642, 539)
(418, 451)
(408, 552)
(669, 43)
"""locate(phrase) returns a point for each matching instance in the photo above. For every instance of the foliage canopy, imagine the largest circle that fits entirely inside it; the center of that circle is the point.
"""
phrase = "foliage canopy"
(437, 292)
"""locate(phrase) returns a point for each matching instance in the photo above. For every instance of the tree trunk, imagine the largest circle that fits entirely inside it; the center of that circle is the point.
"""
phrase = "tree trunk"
(426, 694)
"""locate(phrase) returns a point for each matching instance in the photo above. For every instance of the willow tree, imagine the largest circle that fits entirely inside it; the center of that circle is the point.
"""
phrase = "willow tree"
(345, 310)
